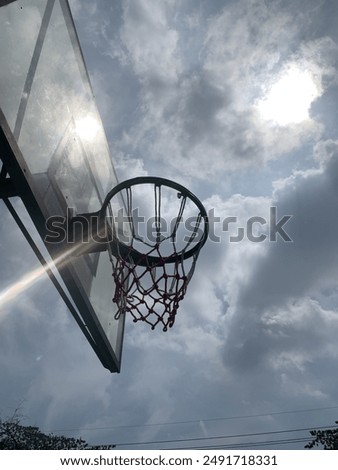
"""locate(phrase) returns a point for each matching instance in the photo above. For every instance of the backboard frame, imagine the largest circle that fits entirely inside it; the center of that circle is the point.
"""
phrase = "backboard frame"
(23, 179)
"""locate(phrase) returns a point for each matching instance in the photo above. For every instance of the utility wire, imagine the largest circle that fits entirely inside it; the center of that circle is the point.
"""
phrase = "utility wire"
(194, 421)
(233, 436)
(248, 444)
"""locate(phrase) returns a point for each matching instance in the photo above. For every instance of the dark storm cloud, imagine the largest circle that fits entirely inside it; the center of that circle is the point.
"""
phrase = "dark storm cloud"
(202, 104)
(311, 257)
(294, 270)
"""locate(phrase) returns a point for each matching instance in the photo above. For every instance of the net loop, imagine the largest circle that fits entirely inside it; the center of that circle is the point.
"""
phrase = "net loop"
(151, 277)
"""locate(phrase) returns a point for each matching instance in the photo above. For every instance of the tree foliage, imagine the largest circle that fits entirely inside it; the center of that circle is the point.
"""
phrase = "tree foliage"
(15, 436)
(327, 438)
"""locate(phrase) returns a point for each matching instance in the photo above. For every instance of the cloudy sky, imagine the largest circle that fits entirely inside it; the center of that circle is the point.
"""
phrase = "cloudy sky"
(237, 101)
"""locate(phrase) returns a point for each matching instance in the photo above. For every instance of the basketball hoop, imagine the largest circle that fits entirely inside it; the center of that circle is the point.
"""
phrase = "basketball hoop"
(152, 267)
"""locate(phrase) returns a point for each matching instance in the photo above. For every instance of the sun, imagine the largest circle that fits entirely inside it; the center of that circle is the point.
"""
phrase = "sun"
(87, 128)
(289, 99)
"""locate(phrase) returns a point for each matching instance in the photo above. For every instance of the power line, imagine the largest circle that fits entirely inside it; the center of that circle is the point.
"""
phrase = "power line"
(245, 444)
(234, 436)
(194, 421)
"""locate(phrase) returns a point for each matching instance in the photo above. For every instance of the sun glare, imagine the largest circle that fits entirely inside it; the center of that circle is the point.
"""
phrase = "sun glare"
(289, 98)
(87, 128)
(29, 279)
(20, 286)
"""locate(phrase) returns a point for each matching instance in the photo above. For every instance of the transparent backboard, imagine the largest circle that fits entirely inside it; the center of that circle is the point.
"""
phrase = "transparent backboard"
(49, 117)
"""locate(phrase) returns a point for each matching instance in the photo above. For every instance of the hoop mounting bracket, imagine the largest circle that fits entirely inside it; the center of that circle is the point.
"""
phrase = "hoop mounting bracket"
(7, 187)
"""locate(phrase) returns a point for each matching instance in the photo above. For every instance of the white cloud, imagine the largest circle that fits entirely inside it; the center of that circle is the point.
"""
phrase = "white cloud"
(150, 40)
(194, 116)
(301, 333)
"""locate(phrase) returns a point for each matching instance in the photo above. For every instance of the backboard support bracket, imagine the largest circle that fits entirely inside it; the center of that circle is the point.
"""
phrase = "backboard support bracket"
(7, 186)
